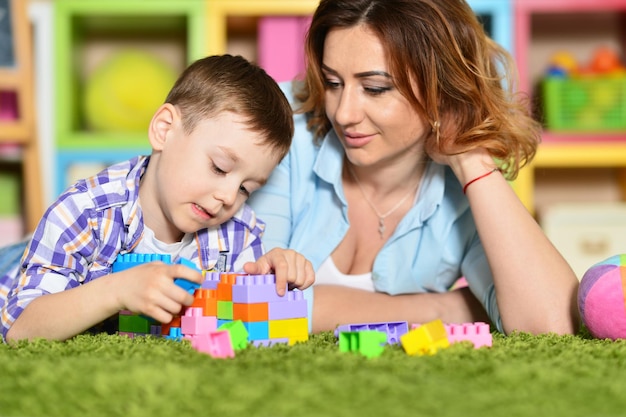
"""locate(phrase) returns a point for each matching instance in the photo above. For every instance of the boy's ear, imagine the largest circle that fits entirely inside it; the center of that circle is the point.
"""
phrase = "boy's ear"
(162, 122)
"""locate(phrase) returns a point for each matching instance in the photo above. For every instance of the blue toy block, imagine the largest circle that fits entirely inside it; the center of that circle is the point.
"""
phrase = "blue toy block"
(258, 330)
(130, 260)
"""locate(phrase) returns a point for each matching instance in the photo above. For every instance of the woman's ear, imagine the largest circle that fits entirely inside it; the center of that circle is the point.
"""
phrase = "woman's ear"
(163, 121)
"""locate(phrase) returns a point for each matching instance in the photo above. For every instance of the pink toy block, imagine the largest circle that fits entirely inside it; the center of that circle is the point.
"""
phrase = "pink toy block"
(280, 41)
(292, 308)
(8, 105)
(478, 333)
(217, 344)
(194, 323)
(256, 289)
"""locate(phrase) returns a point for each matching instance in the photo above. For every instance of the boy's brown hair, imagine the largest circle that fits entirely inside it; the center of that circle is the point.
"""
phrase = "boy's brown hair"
(219, 83)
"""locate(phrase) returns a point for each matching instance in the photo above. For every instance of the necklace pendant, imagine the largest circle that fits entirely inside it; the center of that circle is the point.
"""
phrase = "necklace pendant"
(381, 227)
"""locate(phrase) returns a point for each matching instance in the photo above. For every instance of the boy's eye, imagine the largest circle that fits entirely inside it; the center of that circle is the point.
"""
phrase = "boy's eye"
(218, 170)
(243, 190)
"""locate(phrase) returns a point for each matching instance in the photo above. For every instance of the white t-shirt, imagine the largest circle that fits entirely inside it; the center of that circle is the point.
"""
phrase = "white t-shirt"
(329, 274)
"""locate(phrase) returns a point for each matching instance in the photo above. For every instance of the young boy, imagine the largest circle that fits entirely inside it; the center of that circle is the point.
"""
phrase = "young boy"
(224, 127)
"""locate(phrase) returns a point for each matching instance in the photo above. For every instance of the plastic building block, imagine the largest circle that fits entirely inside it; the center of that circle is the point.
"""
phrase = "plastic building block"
(426, 339)
(134, 323)
(256, 289)
(225, 287)
(269, 342)
(207, 300)
(478, 333)
(251, 312)
(175, 334)
(211, 279)
(130, 260)
(258, 330)
(292, 308)
(394, 330)
(238, 333)
(369, 343)
(217, 344)
(193, 322)
(297, 330)
(224, 310)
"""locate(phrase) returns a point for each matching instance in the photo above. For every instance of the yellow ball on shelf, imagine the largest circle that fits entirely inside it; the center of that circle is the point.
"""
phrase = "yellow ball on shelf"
(122, 94)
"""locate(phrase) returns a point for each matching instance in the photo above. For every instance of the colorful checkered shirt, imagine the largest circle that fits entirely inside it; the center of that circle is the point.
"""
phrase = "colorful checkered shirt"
(98, 218)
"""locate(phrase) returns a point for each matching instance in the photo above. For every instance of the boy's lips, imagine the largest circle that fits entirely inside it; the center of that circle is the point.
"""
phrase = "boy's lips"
(201, 212)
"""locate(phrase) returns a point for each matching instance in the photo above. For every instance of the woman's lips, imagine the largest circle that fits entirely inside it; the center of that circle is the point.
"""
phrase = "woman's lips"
(356, 140)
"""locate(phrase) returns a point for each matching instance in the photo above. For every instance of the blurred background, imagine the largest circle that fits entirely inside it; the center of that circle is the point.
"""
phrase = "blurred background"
(80, 79)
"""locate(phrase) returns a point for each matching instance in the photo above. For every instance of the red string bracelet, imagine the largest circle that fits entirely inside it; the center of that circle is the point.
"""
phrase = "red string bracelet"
(480, 178)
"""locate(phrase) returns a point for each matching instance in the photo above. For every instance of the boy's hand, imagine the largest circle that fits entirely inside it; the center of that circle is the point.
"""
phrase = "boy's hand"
(149, 289)
(289, 267)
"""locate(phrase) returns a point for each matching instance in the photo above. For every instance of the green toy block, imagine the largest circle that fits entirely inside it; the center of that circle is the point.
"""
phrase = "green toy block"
(224, 310)
(369, 343)
(238, 333)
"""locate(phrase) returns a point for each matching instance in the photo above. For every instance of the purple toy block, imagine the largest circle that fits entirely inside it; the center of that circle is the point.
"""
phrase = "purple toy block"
(393, 330)
(194, 323)
(270, 342)
(293, 308)
(211, 279)
(256, 289)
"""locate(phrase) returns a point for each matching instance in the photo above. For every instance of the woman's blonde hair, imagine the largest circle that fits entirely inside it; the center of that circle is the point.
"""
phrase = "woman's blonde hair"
(465, 80)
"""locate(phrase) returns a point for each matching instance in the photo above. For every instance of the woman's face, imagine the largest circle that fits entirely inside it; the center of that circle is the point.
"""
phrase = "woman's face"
(373, 121)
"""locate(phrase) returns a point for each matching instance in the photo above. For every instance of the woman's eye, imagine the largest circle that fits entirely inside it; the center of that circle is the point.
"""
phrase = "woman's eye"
(375, 91)
(332, 84)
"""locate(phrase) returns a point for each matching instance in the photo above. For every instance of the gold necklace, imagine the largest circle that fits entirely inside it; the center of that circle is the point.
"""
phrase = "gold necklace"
(381, 217)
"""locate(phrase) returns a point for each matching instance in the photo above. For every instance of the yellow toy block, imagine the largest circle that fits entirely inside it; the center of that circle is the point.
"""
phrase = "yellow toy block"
(296, 330)
(426, 339)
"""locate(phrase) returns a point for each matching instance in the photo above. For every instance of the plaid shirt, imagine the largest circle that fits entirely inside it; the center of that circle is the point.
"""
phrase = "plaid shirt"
(98, 218)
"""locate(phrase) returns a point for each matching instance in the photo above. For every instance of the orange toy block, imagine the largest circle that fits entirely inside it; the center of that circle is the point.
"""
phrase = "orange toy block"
(225, 287)
(251, 312)
(207, 300)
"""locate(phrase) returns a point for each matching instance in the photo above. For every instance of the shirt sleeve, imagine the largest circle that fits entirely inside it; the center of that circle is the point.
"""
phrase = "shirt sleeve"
(56, 259)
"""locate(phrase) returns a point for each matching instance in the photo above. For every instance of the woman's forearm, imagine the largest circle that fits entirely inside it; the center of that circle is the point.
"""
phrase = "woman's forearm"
(334, 305)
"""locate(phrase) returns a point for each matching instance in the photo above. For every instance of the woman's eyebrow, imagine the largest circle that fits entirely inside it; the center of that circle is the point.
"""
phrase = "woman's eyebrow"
(364, 74)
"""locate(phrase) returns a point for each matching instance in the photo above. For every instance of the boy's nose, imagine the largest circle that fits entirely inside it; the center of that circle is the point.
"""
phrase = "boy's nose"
(227, 195)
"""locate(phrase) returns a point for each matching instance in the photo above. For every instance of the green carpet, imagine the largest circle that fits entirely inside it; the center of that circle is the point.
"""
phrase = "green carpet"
(521, 375)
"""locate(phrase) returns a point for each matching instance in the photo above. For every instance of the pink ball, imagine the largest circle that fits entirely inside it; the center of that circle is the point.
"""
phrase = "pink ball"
(601, 298)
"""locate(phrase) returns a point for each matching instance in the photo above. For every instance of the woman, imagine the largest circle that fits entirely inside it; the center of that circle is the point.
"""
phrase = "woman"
(395, 185)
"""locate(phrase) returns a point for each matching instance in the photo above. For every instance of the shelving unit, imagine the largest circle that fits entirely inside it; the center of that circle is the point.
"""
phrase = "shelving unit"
(581, 17)
(18, 79)
(172, 30)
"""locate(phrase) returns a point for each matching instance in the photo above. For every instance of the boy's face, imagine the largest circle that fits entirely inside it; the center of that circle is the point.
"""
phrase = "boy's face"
(202, 179)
